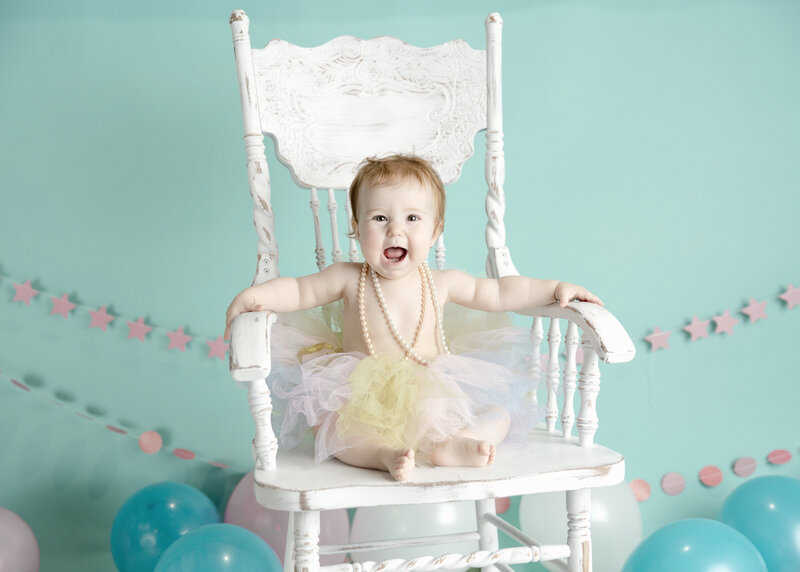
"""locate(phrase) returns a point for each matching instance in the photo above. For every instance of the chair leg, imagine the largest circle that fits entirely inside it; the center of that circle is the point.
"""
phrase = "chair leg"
(306, 541)
(487, 531)
(288, 554)
(578, 533)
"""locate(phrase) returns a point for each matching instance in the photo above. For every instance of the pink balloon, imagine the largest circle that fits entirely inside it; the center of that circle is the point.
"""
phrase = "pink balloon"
(19, 551)
(243, 510)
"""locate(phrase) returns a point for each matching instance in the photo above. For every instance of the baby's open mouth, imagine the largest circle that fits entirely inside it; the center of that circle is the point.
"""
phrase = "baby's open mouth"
(395, 253)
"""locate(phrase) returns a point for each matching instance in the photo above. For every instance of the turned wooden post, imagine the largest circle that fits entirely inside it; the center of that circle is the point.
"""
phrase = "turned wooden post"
(589, 388)
(570, 379)
(257, 169)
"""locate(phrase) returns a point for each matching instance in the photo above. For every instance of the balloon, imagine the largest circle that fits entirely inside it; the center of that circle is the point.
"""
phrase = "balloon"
(243, 510)
(410, 521)
(616, 523)
(219, 548)
(152, 519)
(767, 511)
(696, 544)
(19, 551)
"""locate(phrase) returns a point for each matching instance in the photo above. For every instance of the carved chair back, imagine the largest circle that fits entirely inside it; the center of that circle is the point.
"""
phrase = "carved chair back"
(327, 108)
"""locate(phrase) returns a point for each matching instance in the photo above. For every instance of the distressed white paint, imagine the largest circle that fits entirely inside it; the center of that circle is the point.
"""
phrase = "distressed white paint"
(553, 343)
(336, 250)
(578, 533)
(352, 253)
(589, 388)
(570, 379)
(440, 253)
(327, 108)
(320, 245)
(331, 106)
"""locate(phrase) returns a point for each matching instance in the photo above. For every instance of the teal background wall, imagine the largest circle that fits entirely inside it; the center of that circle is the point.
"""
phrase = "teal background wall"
(653, 144)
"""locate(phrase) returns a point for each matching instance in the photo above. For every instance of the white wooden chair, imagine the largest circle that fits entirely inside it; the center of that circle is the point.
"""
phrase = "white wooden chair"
(327, 108)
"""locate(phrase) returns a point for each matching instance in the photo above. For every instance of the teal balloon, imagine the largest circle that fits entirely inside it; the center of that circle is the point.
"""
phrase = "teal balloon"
(695, 544)
(767, 511)
(152, 519)
(219, 548)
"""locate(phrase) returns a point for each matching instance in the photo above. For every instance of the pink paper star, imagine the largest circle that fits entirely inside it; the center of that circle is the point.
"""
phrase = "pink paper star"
(100, 319)
(62, 306)
(756, 310)
(217, 348)
(725, 323)
(658, 339)
(24, 293)
(178, 339)
(138, 329)
(698, 329)
(791, 296)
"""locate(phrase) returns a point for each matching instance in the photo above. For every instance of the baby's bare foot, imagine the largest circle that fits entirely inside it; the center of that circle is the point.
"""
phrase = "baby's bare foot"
(463, 452)
(399, 463)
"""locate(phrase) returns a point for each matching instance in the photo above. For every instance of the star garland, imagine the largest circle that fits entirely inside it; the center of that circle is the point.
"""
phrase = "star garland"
(724, 322)
(101, 319)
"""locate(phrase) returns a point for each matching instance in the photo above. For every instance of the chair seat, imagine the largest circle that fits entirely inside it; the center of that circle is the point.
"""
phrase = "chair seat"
(546, 463)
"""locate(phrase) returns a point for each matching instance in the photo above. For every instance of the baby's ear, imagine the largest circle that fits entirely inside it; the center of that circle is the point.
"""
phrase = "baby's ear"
(355, 228)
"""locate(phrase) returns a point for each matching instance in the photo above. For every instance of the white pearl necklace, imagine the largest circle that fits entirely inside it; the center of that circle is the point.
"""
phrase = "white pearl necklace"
(427, 283)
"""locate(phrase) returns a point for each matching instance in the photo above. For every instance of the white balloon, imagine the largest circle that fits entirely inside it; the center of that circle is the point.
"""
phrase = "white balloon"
(616, 523)
(412, 521)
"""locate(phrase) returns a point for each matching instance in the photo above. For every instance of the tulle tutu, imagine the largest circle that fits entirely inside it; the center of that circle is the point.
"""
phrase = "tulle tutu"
(349, 397)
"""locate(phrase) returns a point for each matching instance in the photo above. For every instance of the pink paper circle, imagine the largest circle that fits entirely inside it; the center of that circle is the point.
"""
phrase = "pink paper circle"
(744, 466)
(20, 385)
(710, 476)
(673, 483)
(150, 442)
(501, 505)
(185, 454)
(779, 457)
(641, 489)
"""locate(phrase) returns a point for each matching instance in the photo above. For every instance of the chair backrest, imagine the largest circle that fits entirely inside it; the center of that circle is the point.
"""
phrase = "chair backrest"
(327, 108)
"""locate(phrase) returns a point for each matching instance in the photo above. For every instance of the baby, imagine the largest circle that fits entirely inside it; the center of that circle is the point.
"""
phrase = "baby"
(393, 391)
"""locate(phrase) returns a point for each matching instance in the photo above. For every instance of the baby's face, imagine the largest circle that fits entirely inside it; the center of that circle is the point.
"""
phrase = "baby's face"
(396, 226)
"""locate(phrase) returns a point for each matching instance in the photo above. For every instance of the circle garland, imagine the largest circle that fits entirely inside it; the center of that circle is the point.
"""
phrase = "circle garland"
(150, 442)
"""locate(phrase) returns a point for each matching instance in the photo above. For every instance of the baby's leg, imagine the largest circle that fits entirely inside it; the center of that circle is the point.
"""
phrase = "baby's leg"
(375, 454)
(474, 447)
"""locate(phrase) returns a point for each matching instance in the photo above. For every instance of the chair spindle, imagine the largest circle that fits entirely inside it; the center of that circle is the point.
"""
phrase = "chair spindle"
(336, 251)
(589, 386)
(570, 379)
(353, 252)
(535, 369)
(320, 249)
(440, 252)
(553, 342)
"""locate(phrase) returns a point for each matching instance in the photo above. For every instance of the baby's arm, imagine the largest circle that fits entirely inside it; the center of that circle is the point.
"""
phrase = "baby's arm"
(510, 292)
(290, 294)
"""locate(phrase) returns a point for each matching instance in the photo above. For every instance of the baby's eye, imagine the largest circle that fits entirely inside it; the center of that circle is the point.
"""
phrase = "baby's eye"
(380, 218)
(412, 218)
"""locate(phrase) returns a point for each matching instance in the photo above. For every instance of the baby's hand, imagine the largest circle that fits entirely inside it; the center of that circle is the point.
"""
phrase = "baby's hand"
(245, 301)
(566, 292)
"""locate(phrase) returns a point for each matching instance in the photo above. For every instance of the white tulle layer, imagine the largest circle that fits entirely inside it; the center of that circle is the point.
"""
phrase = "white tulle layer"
(487, 368)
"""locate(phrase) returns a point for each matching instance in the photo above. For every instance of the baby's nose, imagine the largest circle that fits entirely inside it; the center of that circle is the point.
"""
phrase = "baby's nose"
(394, 229)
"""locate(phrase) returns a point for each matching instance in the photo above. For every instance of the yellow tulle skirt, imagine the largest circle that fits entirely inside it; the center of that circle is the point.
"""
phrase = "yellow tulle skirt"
(348, 397)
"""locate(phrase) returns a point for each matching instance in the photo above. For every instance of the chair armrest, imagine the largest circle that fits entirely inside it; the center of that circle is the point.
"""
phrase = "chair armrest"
(599, 326)
(250, 355)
